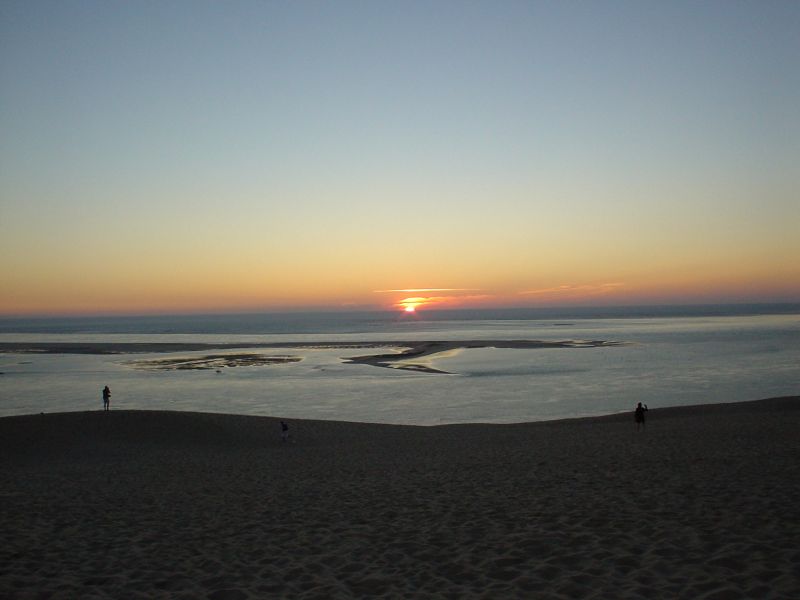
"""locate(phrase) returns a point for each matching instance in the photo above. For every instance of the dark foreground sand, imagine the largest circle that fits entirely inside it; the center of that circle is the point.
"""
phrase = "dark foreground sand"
(134, 504)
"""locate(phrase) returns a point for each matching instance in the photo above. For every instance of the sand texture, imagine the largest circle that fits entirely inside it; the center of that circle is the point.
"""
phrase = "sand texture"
(138, 504)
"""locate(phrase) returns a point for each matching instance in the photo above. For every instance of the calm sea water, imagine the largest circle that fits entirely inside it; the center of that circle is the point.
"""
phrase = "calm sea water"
(673, 356)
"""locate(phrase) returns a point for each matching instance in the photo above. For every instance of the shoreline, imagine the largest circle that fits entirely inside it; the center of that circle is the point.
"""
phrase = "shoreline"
(142, 504)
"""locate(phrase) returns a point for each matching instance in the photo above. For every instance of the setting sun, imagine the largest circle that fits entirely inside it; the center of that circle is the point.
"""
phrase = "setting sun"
(410, 305)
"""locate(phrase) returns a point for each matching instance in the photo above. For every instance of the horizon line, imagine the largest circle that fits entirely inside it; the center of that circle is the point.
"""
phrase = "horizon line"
(795, 304)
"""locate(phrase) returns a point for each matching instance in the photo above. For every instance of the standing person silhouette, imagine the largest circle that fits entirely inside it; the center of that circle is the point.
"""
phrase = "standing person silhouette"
(106, 398)
(638, 415)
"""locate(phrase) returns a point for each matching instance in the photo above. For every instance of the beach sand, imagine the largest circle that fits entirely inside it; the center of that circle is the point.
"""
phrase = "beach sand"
(138, 504)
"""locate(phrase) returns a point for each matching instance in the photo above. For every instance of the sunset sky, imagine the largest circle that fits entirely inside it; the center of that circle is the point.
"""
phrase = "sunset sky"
(203, 156)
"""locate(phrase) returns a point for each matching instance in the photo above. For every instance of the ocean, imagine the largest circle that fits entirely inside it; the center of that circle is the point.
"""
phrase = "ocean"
(666, 356)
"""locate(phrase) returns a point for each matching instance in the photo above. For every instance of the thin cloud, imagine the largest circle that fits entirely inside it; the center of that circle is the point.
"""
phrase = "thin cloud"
(588, 289)
(439, 301)
(418, 290)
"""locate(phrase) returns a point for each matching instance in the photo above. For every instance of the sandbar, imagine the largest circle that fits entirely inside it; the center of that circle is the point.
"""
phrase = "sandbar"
(408, 350)
(212, 361)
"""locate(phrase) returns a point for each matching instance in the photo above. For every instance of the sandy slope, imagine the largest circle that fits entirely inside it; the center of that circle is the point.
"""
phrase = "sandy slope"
(132, 504)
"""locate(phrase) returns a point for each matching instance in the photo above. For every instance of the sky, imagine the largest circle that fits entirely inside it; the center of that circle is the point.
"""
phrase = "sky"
(190, 156)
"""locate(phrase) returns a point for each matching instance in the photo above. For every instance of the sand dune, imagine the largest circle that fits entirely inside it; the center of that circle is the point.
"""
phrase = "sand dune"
(131, 504)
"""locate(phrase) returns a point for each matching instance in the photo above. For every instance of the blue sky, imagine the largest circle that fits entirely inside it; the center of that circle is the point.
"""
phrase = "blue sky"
(212, 132)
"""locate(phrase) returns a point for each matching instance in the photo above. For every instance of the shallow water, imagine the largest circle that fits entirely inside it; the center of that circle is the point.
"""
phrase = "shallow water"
(666, 361)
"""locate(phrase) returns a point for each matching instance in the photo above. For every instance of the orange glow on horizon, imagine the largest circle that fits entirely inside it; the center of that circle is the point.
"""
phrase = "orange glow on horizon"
(151, 292)
(410, 305)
